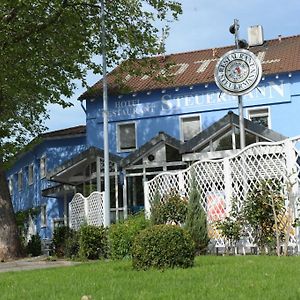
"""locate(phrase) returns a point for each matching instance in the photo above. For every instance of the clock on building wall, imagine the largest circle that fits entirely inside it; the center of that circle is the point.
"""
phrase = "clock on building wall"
(238, 72)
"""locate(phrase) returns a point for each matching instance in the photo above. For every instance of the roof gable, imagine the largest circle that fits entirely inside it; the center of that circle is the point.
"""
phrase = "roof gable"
(150, 145)
(221, 127)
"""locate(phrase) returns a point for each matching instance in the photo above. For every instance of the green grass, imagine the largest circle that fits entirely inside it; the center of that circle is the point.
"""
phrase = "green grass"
(249, 277)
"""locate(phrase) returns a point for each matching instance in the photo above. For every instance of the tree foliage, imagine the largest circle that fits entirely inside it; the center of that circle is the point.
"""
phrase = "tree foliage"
(44, 47)
(196, 219)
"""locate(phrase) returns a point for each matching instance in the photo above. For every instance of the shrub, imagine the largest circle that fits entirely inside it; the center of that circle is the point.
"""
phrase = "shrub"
(196, 220)
(34, 246)
(172, 208)
(60, 236)
(122, 234)
(92, 242)
(72, 245)
(163, 246)
(231, 227)
(262, 209)
(155, 208)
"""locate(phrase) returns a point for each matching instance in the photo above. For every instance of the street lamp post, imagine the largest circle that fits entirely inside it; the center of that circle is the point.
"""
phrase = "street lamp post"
(237, 73)
(235, 30)
(106, 204)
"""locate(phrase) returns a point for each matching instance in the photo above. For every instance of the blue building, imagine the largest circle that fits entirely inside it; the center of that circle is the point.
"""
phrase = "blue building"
(157, 126)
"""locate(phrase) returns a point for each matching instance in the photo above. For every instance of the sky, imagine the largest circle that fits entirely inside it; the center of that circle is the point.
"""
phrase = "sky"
(203, 24)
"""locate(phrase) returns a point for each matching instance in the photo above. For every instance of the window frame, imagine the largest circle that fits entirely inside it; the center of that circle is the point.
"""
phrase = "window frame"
(11, 185)
(30, 174)
(181, 119)
(43, 215)
(20, 180)
(43, 166)
(119, 149)
(254, 112)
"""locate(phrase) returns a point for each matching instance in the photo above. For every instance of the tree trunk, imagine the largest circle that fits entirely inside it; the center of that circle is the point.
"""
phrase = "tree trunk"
(10, 246)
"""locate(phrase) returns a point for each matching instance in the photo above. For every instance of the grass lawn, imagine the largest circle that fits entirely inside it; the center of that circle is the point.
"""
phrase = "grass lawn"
(249, 277)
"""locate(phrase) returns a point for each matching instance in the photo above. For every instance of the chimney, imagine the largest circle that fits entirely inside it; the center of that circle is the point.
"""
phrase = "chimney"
(255, 35)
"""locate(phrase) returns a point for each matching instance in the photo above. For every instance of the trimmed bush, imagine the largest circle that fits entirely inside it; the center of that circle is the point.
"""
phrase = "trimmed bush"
(34, 246)
(92, 242)
(122, 234)
(172, 208)
(163, 246)
(60, 236)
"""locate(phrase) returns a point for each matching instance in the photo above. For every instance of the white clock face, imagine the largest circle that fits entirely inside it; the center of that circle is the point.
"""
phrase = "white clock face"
(238, 72)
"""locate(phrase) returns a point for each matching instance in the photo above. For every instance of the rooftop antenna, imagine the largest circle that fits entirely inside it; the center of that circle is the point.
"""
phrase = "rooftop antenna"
(162, 41)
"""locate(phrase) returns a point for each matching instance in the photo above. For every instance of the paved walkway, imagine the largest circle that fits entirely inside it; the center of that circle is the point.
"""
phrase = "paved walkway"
(33, 263)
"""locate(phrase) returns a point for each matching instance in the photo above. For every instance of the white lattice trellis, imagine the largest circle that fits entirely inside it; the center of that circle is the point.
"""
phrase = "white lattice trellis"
(86, 210)
(232, 178)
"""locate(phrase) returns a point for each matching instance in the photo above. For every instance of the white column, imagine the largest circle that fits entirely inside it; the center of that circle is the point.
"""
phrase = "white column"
(228, 184)
(117, 193)
(125, 203)
(147, 200)
(65, 209)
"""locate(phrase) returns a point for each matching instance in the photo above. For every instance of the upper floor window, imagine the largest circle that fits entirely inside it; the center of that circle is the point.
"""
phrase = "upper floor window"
(30, 174)
(20, 181)
(189, 127)
(260, 116)
(43, 168)
(126, 136)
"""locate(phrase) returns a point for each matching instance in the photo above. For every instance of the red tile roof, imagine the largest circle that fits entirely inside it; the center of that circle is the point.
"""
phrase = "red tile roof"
(281, 55)
(77, 130)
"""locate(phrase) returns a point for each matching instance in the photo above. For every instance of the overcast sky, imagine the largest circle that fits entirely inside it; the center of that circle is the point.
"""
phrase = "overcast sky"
(204, 24)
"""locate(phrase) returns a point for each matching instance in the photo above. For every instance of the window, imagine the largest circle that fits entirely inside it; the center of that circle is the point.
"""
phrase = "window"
(10, 185)
(43, 216)
(43, 167)
(20, 181)
(30, 174)
(189, 127)
(260, 116)
(126, 136)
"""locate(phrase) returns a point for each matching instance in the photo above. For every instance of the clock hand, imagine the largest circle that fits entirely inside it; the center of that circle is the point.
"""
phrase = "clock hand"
(238, 70)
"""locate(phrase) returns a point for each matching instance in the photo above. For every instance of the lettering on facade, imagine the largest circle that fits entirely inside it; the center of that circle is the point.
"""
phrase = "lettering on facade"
(175, 102)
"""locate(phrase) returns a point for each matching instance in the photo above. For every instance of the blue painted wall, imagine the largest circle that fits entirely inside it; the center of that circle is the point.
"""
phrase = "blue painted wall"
(56, 152)
(161, 110)
(153, 112)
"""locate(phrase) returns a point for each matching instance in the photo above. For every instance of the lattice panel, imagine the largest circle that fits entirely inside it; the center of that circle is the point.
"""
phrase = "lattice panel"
(222, 181)
(95, 209)
(86, 210)
(77, 211)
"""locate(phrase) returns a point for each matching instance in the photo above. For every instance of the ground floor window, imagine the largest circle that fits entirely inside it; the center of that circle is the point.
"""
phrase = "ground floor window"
(260, 115)
(43, 216)
(126, 136)
(189, 127)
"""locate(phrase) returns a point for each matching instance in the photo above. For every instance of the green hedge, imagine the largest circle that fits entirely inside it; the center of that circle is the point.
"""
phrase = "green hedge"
(122, 234)
(60, 237)
(92, 242)
(163, 246)
(34, 246)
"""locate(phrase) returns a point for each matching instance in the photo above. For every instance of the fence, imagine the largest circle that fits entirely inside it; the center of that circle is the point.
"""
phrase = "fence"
(232, 178)
(86, 210)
